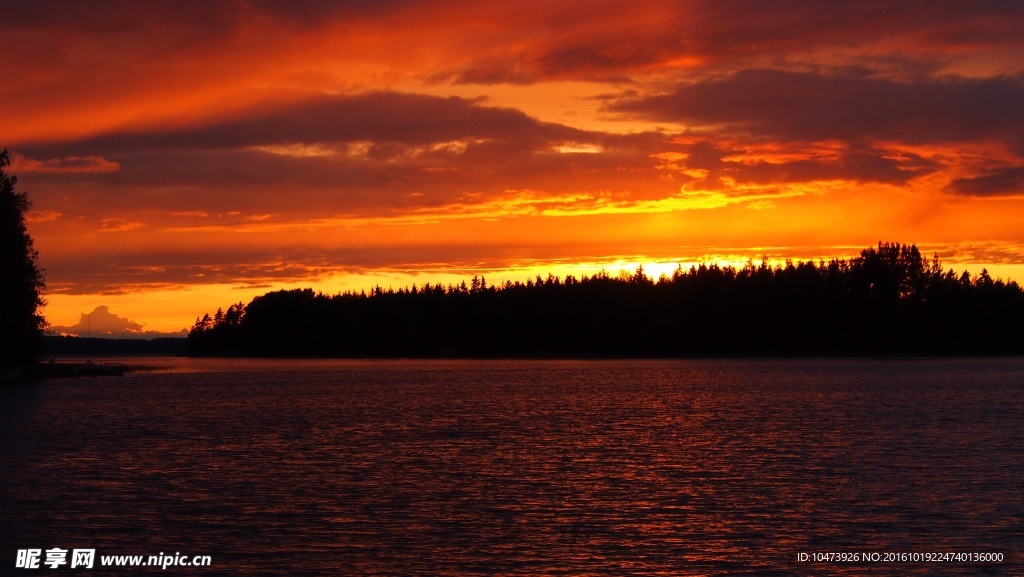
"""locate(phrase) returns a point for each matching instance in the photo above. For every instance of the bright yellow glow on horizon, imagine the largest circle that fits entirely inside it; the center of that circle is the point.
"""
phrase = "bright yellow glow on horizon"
(171, 310)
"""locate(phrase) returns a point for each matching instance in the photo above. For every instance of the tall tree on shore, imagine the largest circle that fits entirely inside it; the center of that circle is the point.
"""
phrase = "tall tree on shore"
(21, 280)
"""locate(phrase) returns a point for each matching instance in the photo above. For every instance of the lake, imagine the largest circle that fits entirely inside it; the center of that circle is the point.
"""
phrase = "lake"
(695, 467)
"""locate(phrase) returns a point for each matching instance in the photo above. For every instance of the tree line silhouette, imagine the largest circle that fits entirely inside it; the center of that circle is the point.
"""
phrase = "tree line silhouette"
(887, 301)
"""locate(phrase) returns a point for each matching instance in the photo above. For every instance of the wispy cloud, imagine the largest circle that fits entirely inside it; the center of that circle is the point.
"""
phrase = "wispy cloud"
(119, 225)
(43, 216)
(69, 165)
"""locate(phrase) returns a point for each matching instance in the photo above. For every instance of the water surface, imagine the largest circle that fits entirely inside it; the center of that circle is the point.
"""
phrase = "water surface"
(522, 467)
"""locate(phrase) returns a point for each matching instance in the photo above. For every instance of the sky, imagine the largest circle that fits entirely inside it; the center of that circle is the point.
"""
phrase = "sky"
(184, 156)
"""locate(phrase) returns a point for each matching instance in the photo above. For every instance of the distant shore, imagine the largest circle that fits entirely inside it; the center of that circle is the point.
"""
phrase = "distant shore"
(889, 302)
(93, 346)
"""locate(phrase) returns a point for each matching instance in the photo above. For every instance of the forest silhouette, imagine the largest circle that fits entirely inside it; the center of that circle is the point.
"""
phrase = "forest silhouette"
(888, 301)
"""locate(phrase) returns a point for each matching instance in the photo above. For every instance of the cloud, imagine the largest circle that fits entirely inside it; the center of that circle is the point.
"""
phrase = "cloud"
(378, 118)
(763, 126)
(1003, 182)
(102, 323)
(614, 40)
(85, 69)
(43, 216)
(119, 225)
(69, 165)
(855, 164)
(211, 14)
(361, 154)
(710, 166)
(806, 106)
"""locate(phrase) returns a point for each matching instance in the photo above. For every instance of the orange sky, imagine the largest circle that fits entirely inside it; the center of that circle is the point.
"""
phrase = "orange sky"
(185, 156)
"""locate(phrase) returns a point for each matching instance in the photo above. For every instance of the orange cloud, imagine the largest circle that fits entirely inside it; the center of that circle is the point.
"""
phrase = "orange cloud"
(69, 165)
(119, 225)
(43, 216)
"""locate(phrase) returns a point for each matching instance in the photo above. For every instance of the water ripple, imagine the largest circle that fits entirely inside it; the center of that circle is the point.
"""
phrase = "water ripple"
(523, 468)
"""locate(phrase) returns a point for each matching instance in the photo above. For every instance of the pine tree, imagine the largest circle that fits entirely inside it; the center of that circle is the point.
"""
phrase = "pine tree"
(21, 280)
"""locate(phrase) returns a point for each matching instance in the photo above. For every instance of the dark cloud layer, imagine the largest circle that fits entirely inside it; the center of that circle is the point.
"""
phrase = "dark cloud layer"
(800, 106)
(353, 154)
(855, 165)
(539, 41)
(729, 35)
(116, 16)
(380, 117)
(1008, 181)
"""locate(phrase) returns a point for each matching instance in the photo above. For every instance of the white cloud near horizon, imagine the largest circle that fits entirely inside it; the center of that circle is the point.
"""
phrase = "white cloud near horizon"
(101, 323)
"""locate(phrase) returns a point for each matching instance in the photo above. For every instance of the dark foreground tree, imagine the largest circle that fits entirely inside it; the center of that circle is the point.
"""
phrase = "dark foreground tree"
(21, 281)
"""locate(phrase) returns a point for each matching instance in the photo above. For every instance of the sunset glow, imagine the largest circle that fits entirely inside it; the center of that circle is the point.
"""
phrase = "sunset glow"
(183, 159)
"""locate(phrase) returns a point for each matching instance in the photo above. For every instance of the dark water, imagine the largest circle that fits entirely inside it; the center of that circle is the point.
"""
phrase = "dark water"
(527, 468)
